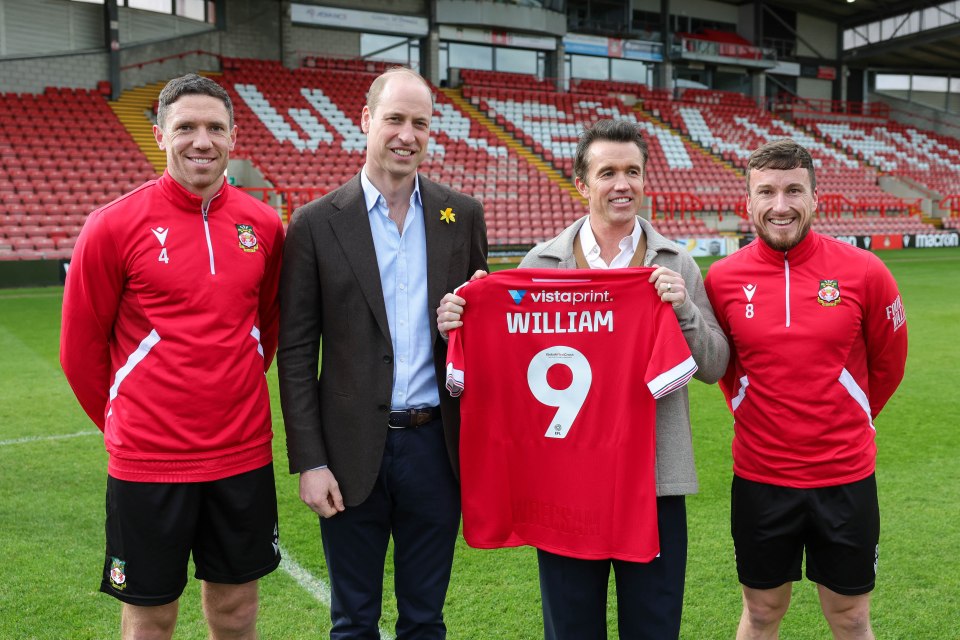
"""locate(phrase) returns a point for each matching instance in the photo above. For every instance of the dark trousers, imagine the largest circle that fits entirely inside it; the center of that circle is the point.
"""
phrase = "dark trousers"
(416, 500)
(649, 594)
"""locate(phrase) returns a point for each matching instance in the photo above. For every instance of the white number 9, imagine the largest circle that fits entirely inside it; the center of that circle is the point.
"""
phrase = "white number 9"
(568, 401)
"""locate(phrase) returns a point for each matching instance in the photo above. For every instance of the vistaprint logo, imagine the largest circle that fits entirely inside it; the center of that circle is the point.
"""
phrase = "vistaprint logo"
(517, 294)
(565, 297)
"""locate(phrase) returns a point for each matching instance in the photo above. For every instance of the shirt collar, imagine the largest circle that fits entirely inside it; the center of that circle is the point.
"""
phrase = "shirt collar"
(591, 250)
(797, 255)
(372, 196)
(179, 195)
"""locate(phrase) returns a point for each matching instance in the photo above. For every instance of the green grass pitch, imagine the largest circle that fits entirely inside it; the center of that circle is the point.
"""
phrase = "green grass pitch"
(52, 481)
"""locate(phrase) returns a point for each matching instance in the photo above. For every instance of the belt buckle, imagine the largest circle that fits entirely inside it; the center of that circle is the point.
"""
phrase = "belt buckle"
(410, 418)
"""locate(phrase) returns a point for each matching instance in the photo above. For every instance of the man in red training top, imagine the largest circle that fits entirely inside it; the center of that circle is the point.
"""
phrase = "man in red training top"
(818, 342)
(170, 319)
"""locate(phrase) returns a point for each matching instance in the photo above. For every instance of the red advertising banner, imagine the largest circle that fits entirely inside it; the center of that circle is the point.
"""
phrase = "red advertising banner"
(881, 241)
(827, 73)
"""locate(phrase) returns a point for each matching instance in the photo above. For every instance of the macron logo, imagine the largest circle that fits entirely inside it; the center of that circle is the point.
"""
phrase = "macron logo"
(517, 295)
(161, 234)
(749, 290)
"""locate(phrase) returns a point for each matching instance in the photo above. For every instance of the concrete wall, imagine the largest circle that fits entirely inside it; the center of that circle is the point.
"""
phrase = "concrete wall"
(814, 88)
(301, 41)
(501, 16)
(134, 76)
(919, 116)
(49, 26)
(253, 31)
(816, 37)
(31, 75)
(934, 100)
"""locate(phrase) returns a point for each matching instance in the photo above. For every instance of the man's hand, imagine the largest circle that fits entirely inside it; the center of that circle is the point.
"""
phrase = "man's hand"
(670, 285)
(319, 491)
(451, 308)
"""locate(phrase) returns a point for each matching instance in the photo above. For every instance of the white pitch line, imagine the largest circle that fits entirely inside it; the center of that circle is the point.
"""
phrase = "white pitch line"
(313, 585)
(63, 436)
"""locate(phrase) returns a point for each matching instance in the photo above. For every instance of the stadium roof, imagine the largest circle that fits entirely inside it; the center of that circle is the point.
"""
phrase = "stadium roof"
(931, 51)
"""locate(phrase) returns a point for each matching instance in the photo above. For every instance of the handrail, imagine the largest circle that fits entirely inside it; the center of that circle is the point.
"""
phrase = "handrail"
(670, 205)
(952, 204)
(285, 199)
(930, 124)
(175, 56)
(834, 205)
(673, 203)
(797, 104)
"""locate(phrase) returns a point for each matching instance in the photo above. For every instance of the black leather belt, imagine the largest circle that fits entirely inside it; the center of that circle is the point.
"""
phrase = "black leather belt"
(412, 418)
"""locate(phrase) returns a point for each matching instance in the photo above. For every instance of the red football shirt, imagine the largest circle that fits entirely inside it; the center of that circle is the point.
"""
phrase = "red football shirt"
(560, 371)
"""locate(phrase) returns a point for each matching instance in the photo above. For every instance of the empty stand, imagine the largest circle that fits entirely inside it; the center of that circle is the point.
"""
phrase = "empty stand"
(923, 158)
(551, 123)
(62, 154)
(302, 129)
(524, 81)
(732, 127)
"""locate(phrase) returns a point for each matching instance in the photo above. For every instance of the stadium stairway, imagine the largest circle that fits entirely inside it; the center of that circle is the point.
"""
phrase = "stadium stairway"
(555, 176)
(719, 161)
(131, 109)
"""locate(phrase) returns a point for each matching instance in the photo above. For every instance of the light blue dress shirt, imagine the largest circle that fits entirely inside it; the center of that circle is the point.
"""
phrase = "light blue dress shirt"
(402, 258)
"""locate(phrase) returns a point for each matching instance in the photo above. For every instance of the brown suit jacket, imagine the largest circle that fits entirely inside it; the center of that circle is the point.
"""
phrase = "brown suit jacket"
(332, 309)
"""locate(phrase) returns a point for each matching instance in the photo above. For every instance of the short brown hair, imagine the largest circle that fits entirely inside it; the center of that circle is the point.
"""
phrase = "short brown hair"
(378, 85)
(781, 155)
(191, 84)
(611, 131)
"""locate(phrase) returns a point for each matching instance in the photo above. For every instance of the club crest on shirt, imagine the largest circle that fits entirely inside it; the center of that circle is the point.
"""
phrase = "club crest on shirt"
(829, 294)
(247, 238)
(118, 576)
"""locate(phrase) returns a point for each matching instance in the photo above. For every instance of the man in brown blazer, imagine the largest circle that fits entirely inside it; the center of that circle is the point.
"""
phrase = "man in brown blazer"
(374, 437)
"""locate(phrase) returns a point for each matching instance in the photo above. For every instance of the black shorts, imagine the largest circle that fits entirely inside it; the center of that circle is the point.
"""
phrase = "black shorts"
(230, 525)
(838, 526)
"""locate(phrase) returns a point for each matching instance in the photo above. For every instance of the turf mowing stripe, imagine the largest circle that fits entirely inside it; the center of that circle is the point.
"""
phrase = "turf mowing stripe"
(63, 436)
(314, 585)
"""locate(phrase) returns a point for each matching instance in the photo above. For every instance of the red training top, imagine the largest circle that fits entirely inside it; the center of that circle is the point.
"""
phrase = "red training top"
(170, 319)
(818, 343)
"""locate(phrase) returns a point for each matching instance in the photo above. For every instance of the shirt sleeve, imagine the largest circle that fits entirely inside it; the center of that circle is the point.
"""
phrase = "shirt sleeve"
(455, 356)
(728, 381)
(703, 334)
(671, 365)
(269, 305)
(885, 335)
(455, 362)
(94, 285)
